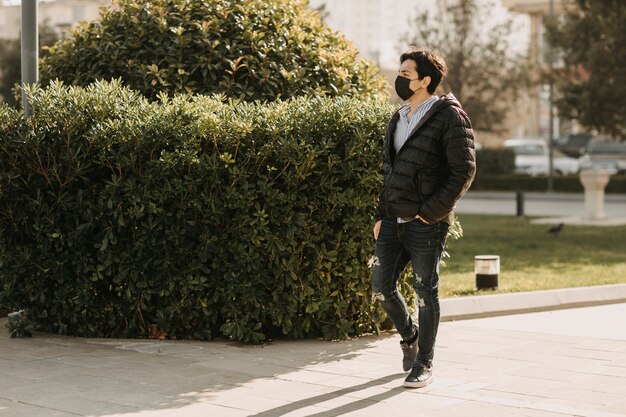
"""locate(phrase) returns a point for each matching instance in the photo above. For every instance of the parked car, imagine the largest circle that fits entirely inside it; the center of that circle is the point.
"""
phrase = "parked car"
(532, 158)
(605, 155)
(573, 144)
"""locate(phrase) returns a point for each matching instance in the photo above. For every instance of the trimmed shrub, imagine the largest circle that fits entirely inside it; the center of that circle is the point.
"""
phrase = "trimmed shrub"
(492, 162)
(495, 161)
(565, 183)
(258, 49)
(189, 217)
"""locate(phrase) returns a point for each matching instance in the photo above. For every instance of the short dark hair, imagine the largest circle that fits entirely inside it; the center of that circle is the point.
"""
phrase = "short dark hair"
(429, 64)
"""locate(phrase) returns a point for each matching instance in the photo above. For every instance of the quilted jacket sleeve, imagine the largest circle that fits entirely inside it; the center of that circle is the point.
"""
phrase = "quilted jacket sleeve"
(458, 143)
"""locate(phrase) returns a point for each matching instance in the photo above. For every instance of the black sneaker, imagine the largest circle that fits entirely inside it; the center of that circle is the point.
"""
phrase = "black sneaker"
(409, 352)
(420, 376)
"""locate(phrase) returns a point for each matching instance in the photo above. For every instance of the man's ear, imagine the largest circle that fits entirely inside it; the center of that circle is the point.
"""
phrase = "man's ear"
(426, 81)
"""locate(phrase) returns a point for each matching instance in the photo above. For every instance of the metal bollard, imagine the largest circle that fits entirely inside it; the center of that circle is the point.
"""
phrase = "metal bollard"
(519, 200)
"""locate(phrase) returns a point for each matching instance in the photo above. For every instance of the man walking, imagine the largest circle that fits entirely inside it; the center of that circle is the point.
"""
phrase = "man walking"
(429, 163)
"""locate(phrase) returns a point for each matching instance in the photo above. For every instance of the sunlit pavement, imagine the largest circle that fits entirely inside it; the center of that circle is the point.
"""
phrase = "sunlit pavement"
(557, 363)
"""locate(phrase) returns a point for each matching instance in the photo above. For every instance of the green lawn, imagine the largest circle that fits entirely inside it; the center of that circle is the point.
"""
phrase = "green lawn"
(531, 258)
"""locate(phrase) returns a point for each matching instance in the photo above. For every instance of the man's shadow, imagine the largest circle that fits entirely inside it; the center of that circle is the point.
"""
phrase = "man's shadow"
(358, 404)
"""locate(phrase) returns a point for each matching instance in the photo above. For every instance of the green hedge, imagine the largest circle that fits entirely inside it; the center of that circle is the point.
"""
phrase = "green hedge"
(565, 183)
(494, 161)
(257, 49)
(192, 216)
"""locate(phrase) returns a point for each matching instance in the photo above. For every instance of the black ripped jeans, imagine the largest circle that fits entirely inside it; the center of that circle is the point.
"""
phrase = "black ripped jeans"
(422, 244)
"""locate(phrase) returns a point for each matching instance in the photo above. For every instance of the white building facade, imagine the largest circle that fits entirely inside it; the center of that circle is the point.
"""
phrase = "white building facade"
(538, 110)
(374, 26)
(59, 14)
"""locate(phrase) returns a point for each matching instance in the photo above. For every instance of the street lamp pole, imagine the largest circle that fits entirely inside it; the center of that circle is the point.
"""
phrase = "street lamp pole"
(30, 50)
(551, 112)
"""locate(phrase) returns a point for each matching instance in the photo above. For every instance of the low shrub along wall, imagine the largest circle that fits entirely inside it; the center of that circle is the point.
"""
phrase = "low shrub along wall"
(494, 161)
(562, 183)
(192, 216)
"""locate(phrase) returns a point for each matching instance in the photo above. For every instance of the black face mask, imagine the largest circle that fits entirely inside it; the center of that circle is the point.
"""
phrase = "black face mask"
(402, 87)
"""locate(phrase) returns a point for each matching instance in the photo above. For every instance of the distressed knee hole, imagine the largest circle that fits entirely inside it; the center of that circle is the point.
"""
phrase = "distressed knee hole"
(378, 296)
(374, 261)
(418, 279)
(421, 302)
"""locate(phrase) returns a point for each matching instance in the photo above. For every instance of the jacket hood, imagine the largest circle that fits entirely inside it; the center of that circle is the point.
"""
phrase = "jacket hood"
(447, 101)
(444, 102)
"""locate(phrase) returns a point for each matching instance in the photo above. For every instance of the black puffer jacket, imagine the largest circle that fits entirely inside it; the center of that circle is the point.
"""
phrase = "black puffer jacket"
(433, 169)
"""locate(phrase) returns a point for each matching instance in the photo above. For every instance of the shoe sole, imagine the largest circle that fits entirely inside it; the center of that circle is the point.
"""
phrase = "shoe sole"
(417, 384)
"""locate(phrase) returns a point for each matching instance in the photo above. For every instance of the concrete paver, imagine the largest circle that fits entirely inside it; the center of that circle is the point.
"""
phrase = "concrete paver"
(581, 322)
(548, 364)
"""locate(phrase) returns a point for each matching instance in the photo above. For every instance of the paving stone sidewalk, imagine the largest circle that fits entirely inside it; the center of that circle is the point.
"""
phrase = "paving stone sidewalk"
(538, 364)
